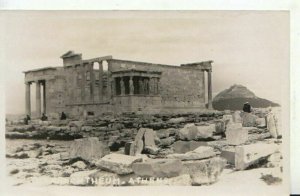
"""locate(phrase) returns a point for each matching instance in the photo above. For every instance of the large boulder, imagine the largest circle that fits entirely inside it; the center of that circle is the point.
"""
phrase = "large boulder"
(89, 149)
(118, 163)
(158, 168)
(248, 155)
(186, 146)
(204, 171)
(202, 152)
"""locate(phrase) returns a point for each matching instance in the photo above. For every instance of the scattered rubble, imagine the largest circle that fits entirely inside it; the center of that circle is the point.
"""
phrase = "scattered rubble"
(189, 149)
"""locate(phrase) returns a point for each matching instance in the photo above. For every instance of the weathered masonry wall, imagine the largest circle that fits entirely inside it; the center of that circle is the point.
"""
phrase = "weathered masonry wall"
(179, 87)
(84, 87)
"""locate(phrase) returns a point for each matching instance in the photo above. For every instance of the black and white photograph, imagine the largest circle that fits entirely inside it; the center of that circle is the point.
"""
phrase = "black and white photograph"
(128, 99)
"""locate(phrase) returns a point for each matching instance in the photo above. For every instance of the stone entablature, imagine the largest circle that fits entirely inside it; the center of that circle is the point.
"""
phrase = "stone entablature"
(85, 86)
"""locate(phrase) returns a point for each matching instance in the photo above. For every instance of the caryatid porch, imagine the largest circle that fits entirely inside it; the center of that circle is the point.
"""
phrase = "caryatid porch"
(133, 89)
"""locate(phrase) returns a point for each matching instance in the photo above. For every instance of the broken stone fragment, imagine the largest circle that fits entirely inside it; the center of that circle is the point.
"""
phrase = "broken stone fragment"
(204, 171)
(88, 149)
(186, 146)
(248, 155)
(158, 168)
(272, 125)
(138, 145)
(151, 150)
(202, 152)
(118, 163)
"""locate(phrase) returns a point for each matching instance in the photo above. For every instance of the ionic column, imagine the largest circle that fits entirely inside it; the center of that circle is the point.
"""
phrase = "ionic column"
(100, 86)
(44, 97)
(92, 81)
(131, 86)
(38, 98)
(122, 85)
(209, 89)
(83, 79)
(27, 99)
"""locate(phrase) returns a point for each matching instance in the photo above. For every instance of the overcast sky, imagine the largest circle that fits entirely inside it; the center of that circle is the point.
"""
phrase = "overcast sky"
(248, 47)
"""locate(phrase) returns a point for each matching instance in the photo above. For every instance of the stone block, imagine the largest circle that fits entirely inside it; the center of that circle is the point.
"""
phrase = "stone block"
(229, 154)
(204, 132)
(118, 163)
(188, 132)
(176, 120)
(202, 152)
(149, 137)
(127, 148)
(236, 117)
(227, 118)
(248, 155)
(204, 171)
(88, 149)
(158, 168)
(186, 146)
(236, 136)
(248, 119)
(220, 126)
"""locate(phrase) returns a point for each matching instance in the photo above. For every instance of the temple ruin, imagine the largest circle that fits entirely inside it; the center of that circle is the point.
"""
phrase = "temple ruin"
(99, 85)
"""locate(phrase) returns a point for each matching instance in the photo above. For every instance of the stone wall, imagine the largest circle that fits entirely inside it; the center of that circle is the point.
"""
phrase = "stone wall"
(180, 87)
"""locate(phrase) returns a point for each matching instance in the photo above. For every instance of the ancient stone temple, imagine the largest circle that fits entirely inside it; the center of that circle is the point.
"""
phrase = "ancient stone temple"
(104, 84)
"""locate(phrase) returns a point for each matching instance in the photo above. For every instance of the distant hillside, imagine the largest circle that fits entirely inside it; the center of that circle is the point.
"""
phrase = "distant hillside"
(235, 97)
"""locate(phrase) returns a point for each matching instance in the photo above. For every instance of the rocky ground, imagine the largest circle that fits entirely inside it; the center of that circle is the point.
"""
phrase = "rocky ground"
(212, 149)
